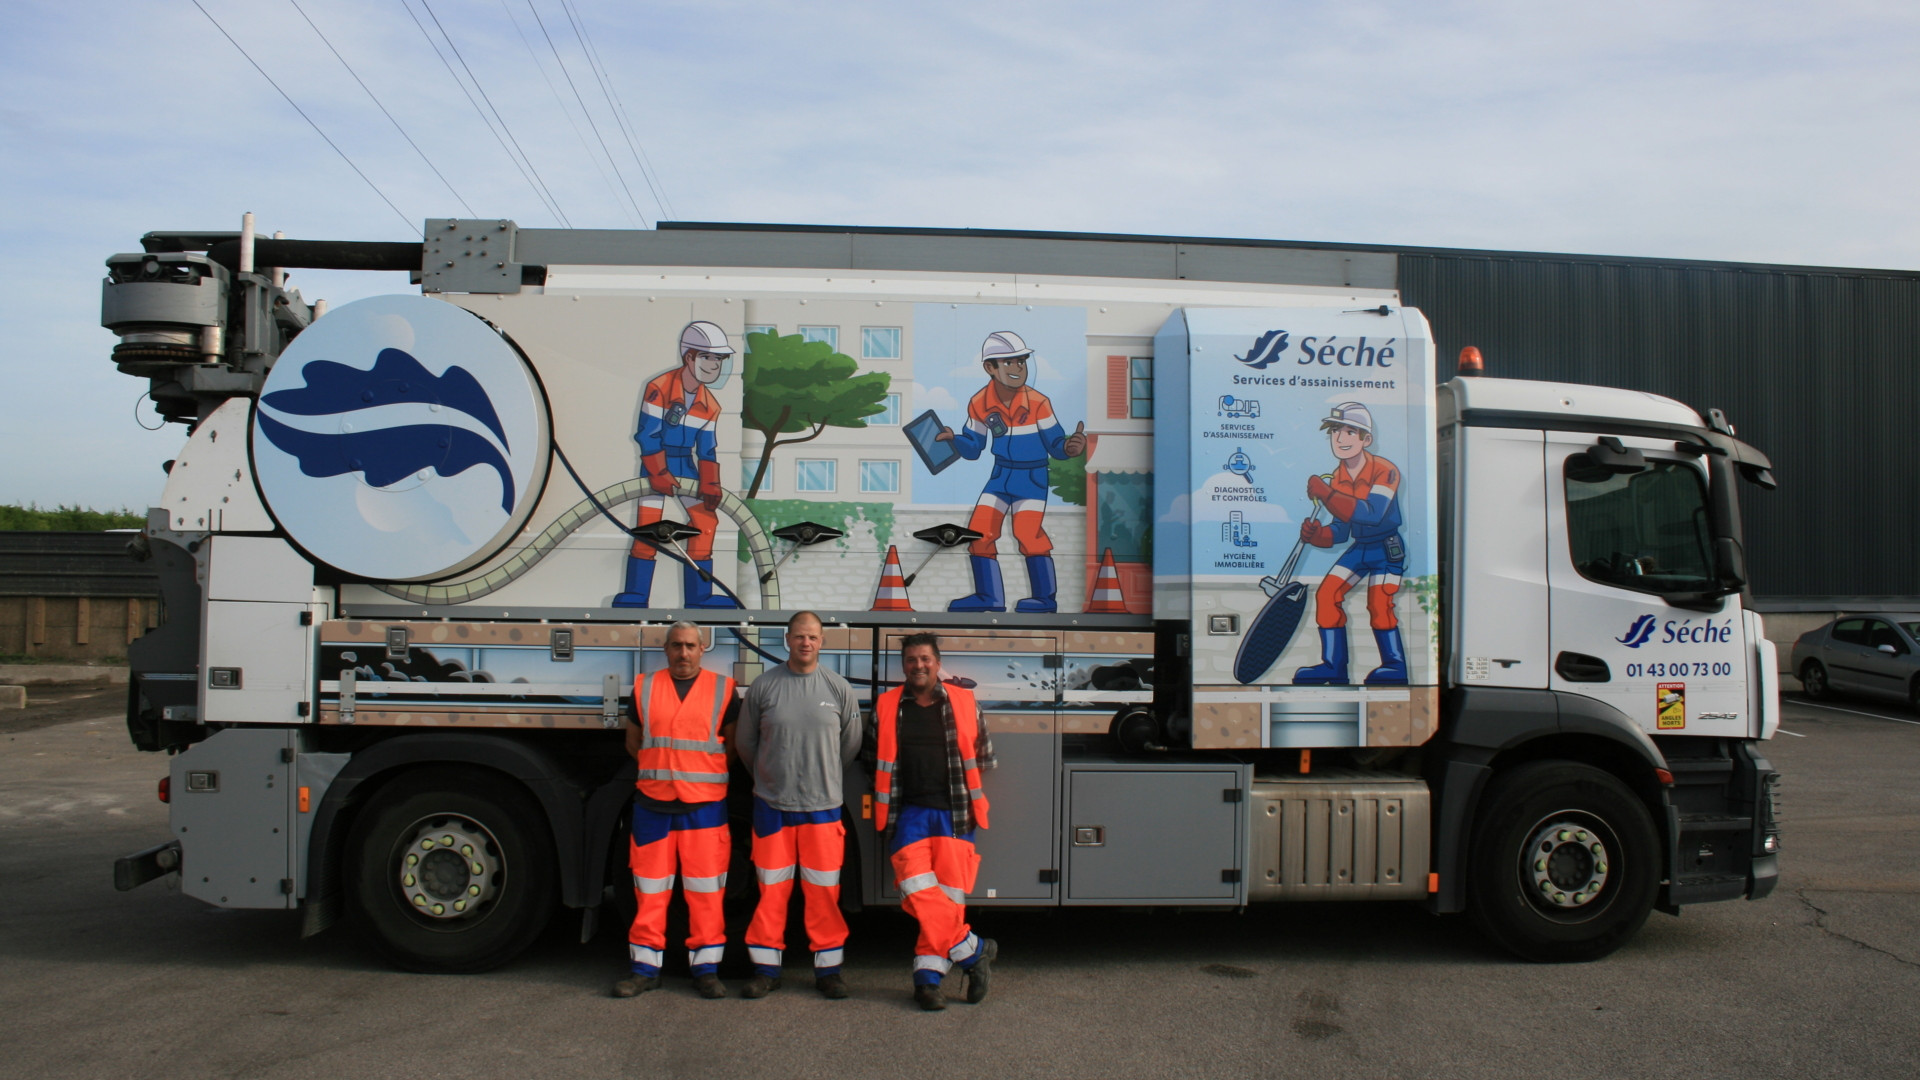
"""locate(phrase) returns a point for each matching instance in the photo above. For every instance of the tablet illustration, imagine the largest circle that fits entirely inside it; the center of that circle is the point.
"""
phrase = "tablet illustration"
(921, 433)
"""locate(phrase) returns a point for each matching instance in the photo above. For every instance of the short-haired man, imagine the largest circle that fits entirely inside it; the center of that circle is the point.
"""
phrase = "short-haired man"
(674, 732)
(930, 746)
(798, 731)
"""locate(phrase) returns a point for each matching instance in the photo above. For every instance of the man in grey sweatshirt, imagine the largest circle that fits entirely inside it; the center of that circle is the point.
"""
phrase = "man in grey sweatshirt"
(799, 729)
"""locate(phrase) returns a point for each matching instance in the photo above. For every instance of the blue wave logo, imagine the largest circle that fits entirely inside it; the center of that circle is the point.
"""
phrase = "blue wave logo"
(1639, 633)
(387, 455)
(1266, 350)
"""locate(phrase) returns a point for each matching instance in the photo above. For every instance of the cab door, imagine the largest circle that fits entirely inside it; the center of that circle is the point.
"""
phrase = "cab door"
(1620, 545)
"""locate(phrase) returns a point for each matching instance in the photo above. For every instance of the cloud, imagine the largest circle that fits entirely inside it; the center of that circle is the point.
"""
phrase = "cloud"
(934, 397)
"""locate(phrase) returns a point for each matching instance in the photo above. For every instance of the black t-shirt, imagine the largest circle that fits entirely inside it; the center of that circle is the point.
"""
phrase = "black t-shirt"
(920, 773)
(682, 687)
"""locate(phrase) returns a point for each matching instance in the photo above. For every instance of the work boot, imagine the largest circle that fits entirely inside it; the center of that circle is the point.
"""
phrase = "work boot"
(832, 987)
(1393, 660)
(635, 985)
(760, 986)
(1040, 578)
(929, 998)
(639, 583)
(981, 972)
(709, 986)
(698, 581)
(988, 592)
(1332, 668)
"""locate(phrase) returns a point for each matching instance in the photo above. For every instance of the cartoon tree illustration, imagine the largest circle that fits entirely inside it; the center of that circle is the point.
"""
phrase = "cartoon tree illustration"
(791, 385)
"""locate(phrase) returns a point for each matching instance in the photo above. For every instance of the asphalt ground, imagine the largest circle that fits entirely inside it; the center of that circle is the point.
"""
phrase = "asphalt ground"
(1821, 979)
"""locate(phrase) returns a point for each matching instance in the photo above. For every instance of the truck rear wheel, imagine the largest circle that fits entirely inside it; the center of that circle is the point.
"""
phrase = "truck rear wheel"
(452, 870)
(1565, 863)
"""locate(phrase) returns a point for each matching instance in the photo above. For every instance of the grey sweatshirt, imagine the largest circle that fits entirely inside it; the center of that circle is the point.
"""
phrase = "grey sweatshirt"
(797, 734)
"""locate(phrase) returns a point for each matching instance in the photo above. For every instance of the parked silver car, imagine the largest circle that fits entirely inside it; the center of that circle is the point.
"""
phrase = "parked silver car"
(1871, 655)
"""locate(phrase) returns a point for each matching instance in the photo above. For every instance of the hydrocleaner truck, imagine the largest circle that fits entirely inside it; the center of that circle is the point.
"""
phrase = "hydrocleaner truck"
(1256, 608)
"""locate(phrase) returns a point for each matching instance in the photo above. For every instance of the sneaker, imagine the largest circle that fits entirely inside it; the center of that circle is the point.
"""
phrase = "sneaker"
(635, 985)
(760, 986)
(929, 998)
(831, 987)
(709, 986)
(980, 974)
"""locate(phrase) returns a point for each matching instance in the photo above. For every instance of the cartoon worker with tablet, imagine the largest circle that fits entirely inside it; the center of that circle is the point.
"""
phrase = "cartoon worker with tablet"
(1017, 422)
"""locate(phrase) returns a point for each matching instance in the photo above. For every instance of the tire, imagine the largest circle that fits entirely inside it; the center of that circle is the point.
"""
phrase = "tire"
(406, 881)
(1813, 681)
(1913, 695)
(1535, 884)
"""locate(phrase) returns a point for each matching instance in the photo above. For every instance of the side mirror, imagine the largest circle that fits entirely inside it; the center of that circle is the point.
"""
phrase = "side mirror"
(1890, 650)
(1729, 564)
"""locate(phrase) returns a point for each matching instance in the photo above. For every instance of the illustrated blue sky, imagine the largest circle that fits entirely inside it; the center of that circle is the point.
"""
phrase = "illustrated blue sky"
(1764, 131)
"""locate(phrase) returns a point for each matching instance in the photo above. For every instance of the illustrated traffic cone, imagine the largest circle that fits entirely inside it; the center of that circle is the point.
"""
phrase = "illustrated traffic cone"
(1106, 598)
(893, 586)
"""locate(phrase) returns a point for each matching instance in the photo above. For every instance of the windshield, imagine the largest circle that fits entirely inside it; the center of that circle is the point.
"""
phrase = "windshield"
(1643, 530)
(1912, 629)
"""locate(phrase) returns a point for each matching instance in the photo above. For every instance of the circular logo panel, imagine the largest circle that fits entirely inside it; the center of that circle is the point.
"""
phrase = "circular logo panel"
(400, 439)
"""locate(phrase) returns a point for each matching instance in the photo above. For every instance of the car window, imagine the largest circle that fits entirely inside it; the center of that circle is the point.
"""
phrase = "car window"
(1880, 633)
(1912, 629)
(1850, 631)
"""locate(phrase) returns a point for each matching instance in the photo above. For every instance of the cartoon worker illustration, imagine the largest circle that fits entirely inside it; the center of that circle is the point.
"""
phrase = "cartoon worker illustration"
(1018, 422)
(677, 436)
(1361, 496)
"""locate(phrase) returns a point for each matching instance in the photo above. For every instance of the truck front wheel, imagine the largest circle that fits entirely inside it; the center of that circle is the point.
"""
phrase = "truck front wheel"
(452, 870)
(1565, 862)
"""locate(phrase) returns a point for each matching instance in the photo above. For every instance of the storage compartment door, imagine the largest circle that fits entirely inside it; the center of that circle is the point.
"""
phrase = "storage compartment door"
(1152, 836)
(256, 662)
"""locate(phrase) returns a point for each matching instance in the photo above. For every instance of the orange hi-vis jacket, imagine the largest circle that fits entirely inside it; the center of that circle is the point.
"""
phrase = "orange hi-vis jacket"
(681, 756)
(966, 714)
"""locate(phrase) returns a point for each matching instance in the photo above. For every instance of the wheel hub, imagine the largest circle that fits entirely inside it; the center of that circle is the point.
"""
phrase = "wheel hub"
(450, 868)
(1568, 864)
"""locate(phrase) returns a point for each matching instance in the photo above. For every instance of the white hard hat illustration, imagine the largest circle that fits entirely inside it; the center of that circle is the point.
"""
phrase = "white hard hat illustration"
(1350, 414)
(706, 337)
(1003, 345)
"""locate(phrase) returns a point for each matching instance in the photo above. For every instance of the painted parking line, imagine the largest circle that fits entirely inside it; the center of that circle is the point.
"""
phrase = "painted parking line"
(1784, 731)
(1857, 712)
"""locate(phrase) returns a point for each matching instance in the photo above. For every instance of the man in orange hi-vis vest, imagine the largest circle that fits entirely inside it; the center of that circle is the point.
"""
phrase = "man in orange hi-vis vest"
(674, 732)
(930, 745)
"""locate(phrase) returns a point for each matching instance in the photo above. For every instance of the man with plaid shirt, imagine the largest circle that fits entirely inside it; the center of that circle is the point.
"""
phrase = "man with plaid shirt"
(930, 744)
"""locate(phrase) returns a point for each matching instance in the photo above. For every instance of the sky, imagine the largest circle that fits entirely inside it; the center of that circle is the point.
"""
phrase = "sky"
(1758, 131)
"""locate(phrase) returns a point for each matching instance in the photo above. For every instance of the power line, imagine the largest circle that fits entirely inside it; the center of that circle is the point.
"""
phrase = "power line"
(583, 105)
(552, 207)
(557, 100)
(303, 115)
(647, 171)
(382, 108)
(531, 167)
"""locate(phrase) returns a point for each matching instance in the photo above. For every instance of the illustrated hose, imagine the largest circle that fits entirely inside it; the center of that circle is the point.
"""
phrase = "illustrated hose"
(759, 545)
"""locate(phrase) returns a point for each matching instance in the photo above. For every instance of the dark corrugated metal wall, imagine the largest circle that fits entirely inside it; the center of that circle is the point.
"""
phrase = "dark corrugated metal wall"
(1816, 368)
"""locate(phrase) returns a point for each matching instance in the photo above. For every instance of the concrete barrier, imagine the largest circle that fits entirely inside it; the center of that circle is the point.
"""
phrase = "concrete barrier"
(48, 674)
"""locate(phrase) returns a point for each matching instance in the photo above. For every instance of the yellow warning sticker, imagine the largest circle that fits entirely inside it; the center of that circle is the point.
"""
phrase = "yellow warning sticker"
(1672, 708)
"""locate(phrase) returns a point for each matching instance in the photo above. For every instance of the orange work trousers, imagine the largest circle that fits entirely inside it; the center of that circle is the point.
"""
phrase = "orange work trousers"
(813, 844)
(698, 845)
(935, 871)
